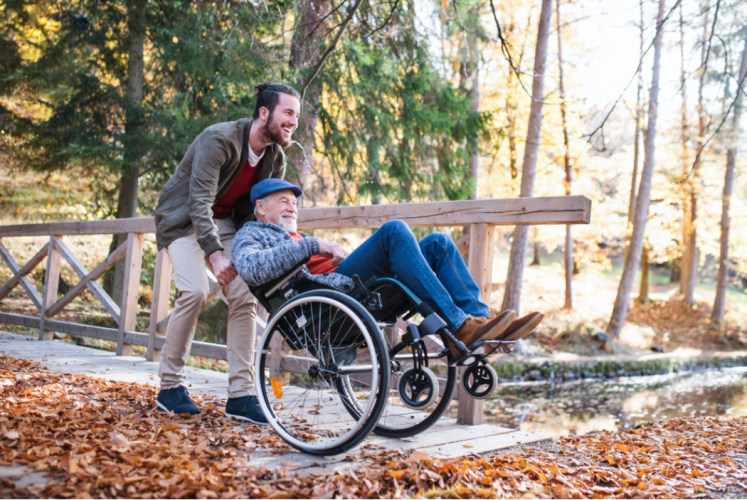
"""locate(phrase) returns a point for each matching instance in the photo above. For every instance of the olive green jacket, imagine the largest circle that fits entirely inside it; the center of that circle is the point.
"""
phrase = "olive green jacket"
(204, 175)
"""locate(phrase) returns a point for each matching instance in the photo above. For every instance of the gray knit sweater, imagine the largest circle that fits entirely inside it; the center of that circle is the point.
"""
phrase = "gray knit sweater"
(262, 252)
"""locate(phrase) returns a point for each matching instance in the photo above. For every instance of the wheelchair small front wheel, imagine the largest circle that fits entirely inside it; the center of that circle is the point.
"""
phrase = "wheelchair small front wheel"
(480, 380)
(321, 337)
(418, 387)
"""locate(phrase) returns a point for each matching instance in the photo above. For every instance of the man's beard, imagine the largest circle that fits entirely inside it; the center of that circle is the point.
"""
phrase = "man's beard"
(289, 225)
(274, 134)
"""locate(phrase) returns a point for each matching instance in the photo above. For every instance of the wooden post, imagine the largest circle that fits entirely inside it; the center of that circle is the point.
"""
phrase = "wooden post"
(51, 281)
(130, 291)
(480, 266)
(159, 308)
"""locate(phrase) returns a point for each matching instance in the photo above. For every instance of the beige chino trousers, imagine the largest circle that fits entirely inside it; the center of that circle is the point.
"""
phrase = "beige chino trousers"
(191, 282)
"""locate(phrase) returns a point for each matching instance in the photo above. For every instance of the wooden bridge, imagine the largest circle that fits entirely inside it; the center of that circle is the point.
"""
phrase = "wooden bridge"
(481, 216)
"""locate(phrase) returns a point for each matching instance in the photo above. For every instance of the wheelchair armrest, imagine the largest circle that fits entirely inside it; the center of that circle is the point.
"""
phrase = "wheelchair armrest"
(273, 286)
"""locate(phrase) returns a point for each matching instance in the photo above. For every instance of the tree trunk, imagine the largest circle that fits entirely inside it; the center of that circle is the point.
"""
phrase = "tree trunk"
(306, 52)
(676, 272)
(643, 293)
(719, 304)
(511, 105)
(638, 123)
(536, 260)
(690, 265)
(686, 222)
(474, 161)
(469, 82)
(568, 241)
(128, 181)
(512, 297)
(632, 259)
(512, 102)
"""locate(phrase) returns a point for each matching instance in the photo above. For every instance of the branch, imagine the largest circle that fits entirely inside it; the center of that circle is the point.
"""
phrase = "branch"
(740, 89)
(505, 48)
(331, 48)
(318, 23)
(704, 69)
(640, 61)
(391, 14)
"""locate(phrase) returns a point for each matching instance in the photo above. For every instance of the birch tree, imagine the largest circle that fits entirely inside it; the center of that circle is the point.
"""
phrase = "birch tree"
(638, 127)
(512, 297)
(719, 304)
(633, 257)
(691, 257)
(567, 163)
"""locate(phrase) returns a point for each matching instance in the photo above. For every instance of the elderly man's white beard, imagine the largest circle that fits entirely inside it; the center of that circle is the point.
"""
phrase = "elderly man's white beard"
(289, 225)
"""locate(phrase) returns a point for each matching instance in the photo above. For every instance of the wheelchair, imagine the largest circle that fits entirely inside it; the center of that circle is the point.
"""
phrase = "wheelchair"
(347, 378)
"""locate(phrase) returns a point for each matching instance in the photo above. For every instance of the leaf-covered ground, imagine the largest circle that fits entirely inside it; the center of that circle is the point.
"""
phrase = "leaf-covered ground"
(100, 439)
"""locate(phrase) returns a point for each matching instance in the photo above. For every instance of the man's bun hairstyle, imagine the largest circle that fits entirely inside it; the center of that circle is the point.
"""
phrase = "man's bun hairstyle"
(268, 95)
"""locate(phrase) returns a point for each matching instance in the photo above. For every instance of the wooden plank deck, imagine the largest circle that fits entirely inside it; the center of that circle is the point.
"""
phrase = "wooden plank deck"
(444, 440)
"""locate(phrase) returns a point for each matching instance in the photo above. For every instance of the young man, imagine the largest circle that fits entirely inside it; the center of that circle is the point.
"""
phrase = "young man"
(432, 268)
(199, 211)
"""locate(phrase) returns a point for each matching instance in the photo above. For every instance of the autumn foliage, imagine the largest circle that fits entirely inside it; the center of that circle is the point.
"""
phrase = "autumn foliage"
(99, 438)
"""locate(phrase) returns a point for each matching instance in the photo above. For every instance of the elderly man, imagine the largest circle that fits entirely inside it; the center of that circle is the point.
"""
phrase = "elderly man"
(198, 213)
(432, 268)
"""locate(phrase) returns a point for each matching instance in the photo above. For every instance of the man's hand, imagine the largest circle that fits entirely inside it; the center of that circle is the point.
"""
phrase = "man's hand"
(332, 251)
(222, 267)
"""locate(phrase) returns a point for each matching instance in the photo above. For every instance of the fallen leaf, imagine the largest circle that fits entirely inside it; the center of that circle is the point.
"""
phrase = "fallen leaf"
(277, 387)
(119, 442)
(396, 474)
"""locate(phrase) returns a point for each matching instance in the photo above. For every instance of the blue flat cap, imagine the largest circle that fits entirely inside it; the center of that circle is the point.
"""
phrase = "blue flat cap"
(269, 186)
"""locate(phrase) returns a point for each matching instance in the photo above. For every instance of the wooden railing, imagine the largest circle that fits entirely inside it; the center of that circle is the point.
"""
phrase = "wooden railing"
(481, 216)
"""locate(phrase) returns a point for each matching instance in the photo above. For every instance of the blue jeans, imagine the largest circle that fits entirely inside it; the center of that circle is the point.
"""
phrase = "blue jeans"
(432, 269)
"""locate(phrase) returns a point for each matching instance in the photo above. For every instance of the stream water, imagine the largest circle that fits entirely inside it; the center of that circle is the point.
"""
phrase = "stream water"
(573, 408)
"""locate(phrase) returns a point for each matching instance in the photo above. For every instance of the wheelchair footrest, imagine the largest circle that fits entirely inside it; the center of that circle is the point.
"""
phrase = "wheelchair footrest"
(482, 349)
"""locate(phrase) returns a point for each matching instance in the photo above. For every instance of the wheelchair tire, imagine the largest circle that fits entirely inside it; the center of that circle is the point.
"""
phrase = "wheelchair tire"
(397, 420)
(326, 336)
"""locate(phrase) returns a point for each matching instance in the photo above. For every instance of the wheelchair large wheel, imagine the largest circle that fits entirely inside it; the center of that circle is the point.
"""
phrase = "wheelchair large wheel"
(401, 418)
(322, 337)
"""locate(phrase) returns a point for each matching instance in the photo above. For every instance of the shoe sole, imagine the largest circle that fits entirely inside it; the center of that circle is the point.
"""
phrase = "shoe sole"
(526, 329)
(239, 417)
(162, 407)
(499, 328)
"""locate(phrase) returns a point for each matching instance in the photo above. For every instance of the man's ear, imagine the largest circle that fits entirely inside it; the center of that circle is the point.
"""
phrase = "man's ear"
(260, 208)
(264, 113)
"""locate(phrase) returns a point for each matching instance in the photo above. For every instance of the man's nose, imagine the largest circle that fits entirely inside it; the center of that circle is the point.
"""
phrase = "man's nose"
(294, 121)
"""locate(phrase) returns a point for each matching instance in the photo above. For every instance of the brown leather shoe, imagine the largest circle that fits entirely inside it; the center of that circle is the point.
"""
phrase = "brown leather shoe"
(477, 329)
(521, 327)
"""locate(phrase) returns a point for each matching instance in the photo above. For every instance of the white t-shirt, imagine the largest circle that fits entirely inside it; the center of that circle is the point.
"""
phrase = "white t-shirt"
(254, 159)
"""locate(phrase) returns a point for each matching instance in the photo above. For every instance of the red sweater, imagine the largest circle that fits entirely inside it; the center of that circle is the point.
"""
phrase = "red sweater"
(242, 185)
(316, 264)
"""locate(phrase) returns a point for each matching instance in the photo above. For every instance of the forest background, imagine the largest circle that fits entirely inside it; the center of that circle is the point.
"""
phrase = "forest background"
(403, 102)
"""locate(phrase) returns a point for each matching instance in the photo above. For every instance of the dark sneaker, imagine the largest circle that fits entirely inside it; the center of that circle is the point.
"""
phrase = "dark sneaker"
(246, 408)
(177, 401)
